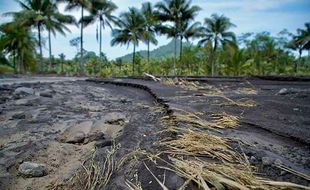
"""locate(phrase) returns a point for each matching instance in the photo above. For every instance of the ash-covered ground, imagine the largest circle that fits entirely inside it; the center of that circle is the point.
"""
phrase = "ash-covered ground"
(52, 130)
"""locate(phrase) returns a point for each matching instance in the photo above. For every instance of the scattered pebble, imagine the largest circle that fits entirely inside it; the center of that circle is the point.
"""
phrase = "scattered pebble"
(30, 169)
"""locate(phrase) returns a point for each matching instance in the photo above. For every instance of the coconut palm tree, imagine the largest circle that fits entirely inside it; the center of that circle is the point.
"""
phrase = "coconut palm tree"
(19, 42)
(56, 22)
(33, 13)
(304, 37)
(83, 4)
(151, 23)
(189, 31)
(216, 29)
(103, 12)
(176, 12)
(131, 31)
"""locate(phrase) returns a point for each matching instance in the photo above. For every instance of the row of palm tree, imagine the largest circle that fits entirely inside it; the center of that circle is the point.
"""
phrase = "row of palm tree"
(176, 19)
(173, 18)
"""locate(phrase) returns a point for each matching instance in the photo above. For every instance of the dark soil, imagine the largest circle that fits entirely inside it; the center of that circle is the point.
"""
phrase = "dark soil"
(277, 128)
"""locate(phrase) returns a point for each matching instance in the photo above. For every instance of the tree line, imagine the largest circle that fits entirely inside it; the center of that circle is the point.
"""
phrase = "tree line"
(218, 52)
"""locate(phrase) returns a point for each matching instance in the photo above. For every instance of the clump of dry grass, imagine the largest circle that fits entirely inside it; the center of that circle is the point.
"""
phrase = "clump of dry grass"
(96, 174)
(194, 120)
(247, 90)
(187, 85)
(194, 143)
(210, 162)
(225, 120)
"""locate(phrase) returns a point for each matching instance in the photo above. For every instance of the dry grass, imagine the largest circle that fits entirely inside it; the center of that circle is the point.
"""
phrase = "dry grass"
(247, 90)
(96, 174)
(194, 143)
(210, 162)
(184, 84)
(194, 120)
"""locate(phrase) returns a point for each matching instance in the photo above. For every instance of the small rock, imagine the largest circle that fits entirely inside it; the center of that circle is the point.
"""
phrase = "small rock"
(23, 90)
(278, 162)
(283, 91)
(253, 159)
(30, 169)
(47, 93)
(267, 161)
(78, 137)
(295, 109)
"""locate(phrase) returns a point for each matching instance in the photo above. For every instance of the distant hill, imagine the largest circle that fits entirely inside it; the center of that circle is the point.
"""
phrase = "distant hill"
(158, 53)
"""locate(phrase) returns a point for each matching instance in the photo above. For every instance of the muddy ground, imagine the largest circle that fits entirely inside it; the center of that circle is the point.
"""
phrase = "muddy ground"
(66, 124)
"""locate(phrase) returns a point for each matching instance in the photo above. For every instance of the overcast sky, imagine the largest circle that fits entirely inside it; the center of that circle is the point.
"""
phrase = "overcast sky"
(249, 16)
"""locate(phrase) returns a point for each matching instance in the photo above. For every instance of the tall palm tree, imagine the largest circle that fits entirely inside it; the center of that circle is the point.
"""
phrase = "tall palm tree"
(304, 37)
(217, 31)
(56, 22)
(131, 31)
(102, 11)
(33, 14)
(83, 4)
(189, 31)
(176, 12)
(19, 42)
(151, 23)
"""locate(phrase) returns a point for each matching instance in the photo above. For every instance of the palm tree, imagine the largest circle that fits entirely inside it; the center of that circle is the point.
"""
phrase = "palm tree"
(102, 11)
(56, 22)
(178, 12)
(83, 4)
(189, 31)
(33, 14)
(217, 31)
(151, 22)
(304, 38)
(19, 42)
(131, 31)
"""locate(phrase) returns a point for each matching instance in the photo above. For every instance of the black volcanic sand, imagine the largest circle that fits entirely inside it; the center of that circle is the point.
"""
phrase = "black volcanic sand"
(277, 128)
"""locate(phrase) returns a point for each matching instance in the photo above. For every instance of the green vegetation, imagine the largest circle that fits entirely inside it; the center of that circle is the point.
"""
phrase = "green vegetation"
(219, 52)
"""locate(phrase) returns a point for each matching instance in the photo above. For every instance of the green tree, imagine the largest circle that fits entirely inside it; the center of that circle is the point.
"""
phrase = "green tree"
(217, 31)
(131, 31)
(83, 4)
(151, 23)
(102, 11)
(33, 13)
(56, 22)
(19, 42)
(176, 12)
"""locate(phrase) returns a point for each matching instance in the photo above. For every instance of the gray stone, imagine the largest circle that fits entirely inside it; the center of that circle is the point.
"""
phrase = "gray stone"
(283, 91)
(267, 161)
(23, 90)
(77, 137)
(47, 93)
(253, 159)
(30, 169)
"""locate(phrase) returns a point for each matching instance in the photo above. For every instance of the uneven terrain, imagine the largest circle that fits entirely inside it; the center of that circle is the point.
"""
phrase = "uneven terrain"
(123, 133)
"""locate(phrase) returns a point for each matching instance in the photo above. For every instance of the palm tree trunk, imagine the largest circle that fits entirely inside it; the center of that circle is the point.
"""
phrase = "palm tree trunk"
(214, 56)
(175, 55)
(181, 48)
(100, 43)
(40, 46)
(14, 61)
(81, 58)
(50, 50)
(148, 53)
(298, 62)
(62, 66)
(133, 59)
